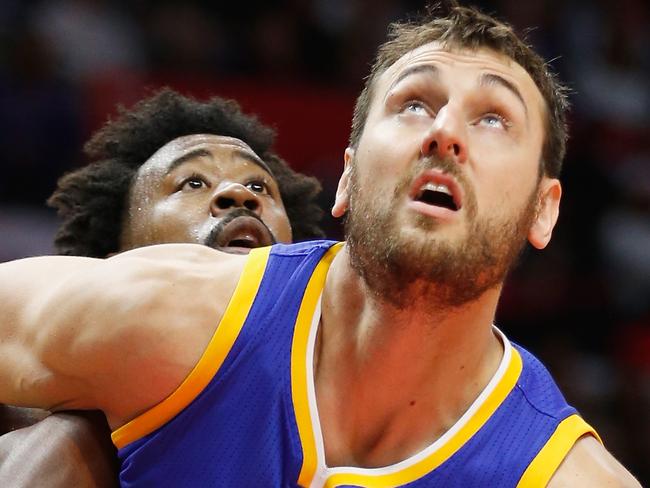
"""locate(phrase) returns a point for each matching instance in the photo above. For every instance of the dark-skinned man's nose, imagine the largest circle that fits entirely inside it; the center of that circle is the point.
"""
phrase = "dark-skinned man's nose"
(232, 196)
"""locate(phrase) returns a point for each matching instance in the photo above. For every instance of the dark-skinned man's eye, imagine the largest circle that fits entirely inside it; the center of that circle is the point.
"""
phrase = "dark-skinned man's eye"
(193, 184)
(257, 187)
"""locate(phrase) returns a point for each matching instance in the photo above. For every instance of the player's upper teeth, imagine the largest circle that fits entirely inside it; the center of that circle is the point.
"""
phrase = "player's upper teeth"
(433, 187)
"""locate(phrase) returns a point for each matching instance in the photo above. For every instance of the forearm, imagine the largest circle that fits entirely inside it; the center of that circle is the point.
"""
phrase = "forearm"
(12, 418)
(66, 449)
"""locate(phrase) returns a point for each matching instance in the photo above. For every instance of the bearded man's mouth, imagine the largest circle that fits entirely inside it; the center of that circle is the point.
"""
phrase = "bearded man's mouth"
(439, 189)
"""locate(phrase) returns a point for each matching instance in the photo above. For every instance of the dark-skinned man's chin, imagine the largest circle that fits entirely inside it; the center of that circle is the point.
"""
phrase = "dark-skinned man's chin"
(240, 235)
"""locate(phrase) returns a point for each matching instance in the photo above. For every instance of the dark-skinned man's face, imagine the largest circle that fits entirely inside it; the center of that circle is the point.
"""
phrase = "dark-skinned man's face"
(205, 189)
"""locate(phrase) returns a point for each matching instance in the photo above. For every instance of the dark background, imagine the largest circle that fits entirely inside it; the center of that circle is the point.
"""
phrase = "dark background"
(583, 305)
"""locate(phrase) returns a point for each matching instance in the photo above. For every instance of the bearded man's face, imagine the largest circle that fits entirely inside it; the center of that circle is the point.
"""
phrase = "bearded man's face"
(444, 186)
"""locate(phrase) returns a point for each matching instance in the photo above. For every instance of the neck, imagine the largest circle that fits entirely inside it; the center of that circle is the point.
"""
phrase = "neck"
(398, 378)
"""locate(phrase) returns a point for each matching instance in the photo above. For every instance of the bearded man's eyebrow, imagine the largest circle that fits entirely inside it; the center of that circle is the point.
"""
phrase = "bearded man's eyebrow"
(427, 69)
(490, 79)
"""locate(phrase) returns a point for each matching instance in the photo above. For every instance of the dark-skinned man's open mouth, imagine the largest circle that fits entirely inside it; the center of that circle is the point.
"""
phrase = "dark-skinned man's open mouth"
(239, 232)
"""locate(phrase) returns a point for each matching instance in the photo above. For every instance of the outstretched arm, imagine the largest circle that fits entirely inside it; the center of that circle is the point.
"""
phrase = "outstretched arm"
(13, 418)
(81, 333)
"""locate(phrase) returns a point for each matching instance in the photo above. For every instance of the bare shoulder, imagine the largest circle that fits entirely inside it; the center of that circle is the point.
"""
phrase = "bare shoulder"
(117, 334)
(589, 464)
(159, 285)
(164, 304)
(148, 289)
(99, 330)
(173, 263)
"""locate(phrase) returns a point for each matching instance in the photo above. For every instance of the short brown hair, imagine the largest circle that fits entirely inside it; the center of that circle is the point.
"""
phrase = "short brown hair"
(468, 28)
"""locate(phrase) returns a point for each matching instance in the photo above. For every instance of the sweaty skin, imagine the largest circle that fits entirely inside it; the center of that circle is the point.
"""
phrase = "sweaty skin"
(484, 113)
(191, 185)
(71, 325)
(431, 105)
(181, 194)
(219, 194)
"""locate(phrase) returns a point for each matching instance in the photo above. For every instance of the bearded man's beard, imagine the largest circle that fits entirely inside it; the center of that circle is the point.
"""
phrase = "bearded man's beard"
(447, 274)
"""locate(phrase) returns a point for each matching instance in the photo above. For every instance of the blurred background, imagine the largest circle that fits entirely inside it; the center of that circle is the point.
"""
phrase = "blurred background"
(583, 305)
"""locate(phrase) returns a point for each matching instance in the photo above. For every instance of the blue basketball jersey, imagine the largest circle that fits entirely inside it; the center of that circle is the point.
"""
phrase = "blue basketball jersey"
(246, 415)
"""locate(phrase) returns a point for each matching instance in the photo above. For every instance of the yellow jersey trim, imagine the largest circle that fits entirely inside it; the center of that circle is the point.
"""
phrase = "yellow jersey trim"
(213, 357)
(426, 465)
(542, 467)
(299, 348)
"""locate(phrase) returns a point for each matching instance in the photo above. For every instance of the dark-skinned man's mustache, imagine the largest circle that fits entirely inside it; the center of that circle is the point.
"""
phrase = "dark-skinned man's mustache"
(213, 236)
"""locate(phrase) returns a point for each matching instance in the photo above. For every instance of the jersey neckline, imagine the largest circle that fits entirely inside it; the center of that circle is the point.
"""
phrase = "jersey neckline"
(315, 472)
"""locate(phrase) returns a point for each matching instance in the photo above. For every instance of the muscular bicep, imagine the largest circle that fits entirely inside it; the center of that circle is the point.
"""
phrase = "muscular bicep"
(117, 334)
(28, 325)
